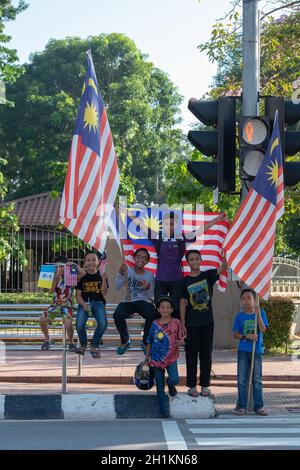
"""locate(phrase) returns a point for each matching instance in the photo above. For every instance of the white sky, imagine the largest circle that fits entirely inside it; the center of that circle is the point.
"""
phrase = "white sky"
(169, 31)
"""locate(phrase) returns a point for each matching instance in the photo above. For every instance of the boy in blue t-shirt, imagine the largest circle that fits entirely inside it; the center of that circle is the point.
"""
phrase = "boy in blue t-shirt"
(243, 329)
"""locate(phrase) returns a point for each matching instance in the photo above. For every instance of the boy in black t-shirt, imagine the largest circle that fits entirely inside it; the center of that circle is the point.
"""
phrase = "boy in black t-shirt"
(198, 321)
(91, 290)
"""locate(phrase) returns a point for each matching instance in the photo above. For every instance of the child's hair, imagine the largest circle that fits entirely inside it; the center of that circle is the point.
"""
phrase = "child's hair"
(93, 253)
(248, 289)
(190, 252)
(141, 249)
(164, 298)
(60, 259)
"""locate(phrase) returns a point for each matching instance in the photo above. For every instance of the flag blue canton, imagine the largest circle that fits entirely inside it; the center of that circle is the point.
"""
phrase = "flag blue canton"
(90, 110)
(266, 180)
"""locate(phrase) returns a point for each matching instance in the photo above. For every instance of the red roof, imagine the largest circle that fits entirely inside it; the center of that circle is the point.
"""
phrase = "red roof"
(37, 210)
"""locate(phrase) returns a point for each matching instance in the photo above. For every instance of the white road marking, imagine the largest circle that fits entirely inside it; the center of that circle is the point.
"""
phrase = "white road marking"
(174, 438)
(240, 420)
(246, 431)
(238, 442)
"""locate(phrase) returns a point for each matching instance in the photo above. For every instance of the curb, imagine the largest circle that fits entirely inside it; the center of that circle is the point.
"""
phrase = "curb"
(97, 407)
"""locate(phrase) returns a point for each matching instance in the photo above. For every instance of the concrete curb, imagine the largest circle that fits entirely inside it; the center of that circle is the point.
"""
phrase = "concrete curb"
(101, 406)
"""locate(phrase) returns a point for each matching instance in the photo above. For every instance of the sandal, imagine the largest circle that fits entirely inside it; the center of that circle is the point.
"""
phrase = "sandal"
(80, 351)
(261, 412)
(240, 412)
(193, 392)
(205, 392)
(95, 353)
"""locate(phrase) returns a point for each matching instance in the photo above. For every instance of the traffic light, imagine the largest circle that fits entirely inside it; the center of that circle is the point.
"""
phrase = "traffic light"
(288, 116)
(220, 142)
(254, 134)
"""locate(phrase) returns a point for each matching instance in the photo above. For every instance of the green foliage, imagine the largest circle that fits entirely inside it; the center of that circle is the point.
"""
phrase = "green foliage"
(25, 298)
(8, 222)
(9, 68)
(281, 313)
(141, 101)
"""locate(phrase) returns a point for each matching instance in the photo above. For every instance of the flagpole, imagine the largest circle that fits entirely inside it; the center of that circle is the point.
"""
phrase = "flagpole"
(123, 256)
(252, 356)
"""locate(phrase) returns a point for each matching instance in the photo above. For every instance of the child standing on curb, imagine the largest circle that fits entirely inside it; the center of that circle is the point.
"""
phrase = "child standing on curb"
(243, 329)
(165, 336)
(91, 290)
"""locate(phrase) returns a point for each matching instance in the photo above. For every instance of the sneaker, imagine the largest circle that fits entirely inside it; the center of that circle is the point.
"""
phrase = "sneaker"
(123, 347)
(172, 390)
(72, 347)
(47, 345)
(143, 346)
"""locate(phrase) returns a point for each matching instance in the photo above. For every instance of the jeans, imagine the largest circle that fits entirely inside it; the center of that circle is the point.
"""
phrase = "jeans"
(126, 309)
(173, 379)
(244, 365)
(99, 313)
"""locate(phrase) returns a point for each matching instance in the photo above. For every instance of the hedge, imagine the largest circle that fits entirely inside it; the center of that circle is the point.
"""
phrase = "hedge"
(25, 298)
(281, 313)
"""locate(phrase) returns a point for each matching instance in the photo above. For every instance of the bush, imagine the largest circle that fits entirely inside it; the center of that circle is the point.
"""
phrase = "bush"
(25, 298)
(281, 313)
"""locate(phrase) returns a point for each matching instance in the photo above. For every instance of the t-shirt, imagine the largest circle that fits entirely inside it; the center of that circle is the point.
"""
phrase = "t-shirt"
(198, 291)
(164, 342)
(135, 285)
(170, 256)
(244, 325)
(90, 286)
(62, 294)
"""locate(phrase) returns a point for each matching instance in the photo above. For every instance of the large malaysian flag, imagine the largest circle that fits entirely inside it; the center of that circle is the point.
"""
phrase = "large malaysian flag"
(92, 178)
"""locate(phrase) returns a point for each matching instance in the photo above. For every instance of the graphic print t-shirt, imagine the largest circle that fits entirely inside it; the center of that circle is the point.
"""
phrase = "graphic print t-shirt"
(164, 342)
(198, 291)
(90, 286)
(244, 325)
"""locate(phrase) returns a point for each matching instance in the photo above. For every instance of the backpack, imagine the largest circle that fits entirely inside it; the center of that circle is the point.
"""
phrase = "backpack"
(143, 376)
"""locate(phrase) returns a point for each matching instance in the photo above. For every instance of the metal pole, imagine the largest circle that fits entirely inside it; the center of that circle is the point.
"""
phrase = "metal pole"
(64, 359)
(250, 66)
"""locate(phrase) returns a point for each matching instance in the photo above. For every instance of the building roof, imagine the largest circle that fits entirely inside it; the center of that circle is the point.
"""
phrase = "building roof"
(37, 210)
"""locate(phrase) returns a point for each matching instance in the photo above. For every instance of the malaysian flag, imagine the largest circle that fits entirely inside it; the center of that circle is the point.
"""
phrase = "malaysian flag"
(210, 244)
(92, 178)
(249, 245)
(70, 275)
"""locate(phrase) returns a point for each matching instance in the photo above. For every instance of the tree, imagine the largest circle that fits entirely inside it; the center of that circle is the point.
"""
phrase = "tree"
(141, 101)
(10, 70)
(279, 70)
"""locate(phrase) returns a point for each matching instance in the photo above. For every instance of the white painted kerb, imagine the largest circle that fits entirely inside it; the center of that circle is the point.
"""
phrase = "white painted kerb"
(88, 406)
(183, 406)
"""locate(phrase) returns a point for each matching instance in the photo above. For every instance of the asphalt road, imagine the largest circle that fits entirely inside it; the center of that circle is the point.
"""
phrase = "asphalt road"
(229, 433)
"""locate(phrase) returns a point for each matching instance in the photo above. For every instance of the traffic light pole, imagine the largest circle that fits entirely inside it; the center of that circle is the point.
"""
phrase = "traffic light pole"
(250, 65)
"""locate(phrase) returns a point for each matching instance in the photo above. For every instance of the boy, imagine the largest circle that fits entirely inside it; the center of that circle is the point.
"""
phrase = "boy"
(197, 318)
(141, 288)
(165, 337)
(243, 329)
(91, 290)
(62, 303)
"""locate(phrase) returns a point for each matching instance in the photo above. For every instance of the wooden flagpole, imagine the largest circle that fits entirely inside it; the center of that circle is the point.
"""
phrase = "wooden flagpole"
(252, 356)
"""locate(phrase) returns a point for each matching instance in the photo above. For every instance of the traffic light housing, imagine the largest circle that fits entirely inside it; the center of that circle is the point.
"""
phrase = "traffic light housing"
(220, 142)
(288, 115)
(254, 135)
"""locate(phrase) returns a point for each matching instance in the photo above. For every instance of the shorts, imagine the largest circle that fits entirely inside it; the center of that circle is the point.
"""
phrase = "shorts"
(64, 311)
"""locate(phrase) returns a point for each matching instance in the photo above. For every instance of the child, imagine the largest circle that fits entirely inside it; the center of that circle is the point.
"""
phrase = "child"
(243, 329)
(91, 290)
(141, 292)
(197, 317)
(165, 336)
(62, 303)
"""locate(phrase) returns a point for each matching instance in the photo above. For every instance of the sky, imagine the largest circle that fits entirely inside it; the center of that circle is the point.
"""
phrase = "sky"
(168, 31)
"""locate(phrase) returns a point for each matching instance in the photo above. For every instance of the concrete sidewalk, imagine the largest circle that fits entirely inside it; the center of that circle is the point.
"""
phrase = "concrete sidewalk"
(38, 373)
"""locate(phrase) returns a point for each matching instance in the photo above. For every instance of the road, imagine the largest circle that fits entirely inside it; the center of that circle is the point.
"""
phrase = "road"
(226, 433)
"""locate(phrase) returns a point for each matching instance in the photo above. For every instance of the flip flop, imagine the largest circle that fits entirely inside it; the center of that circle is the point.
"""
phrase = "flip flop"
(205, 392)
(240, 412)
(261, 412)
(95, 354)
(193, 392)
